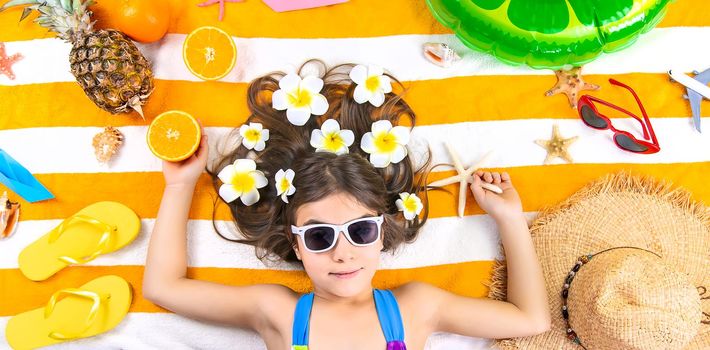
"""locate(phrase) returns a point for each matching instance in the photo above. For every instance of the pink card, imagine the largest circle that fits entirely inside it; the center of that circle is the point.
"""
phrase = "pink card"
(290, 5)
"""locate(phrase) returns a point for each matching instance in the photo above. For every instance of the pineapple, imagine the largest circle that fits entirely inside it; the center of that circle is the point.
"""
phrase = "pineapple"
(106, 64)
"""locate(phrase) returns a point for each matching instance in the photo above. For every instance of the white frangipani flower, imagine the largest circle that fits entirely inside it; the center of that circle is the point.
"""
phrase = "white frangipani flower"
(409, 204)
(300, 98)
(385, 144)
(254, 136)
(284, 184)
(329, 138)
(241, 180)
(372, 84)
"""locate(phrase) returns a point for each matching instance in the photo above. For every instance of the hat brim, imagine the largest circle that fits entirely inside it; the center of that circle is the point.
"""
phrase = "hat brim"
(618, 210)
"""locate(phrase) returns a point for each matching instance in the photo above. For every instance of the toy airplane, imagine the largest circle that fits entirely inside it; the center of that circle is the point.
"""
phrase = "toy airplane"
(696, 89)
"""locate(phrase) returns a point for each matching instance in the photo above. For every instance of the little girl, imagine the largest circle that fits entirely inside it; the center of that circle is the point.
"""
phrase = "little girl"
(321, 188)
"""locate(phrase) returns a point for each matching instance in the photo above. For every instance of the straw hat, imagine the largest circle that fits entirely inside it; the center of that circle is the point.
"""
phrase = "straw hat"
(635, 256)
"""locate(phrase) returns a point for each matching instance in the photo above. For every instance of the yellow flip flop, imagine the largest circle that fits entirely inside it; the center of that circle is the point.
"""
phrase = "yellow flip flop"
(100, 228)
(72, 313)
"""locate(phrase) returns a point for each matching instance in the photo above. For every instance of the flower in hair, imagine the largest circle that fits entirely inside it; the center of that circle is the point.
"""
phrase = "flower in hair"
(329, 138)
(409, 204)
(385, 144)
(284, 184)
(254, 136)
(300, 98)
(241, 180)
(372, 84)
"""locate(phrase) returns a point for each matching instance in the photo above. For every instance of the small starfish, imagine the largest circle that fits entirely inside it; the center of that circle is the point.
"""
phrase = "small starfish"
(557, 146)
(463, 177)
(221, 5)
(570, 83)
(7, 62)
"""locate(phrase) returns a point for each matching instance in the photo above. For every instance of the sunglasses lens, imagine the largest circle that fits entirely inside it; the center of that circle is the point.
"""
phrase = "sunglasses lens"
(319, 238)
(363, 232)
(591, 118)
(629, 144)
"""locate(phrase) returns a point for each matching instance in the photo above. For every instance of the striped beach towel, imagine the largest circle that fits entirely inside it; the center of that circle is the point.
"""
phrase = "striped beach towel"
(479, 105)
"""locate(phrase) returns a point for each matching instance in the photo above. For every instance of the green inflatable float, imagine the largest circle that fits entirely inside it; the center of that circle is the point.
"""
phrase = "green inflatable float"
(548, 33)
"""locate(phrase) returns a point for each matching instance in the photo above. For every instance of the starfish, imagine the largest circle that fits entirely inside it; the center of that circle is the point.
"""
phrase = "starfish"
(557, 146)
(463, 177)
(221, 5)
(7, 62)
(570, 83)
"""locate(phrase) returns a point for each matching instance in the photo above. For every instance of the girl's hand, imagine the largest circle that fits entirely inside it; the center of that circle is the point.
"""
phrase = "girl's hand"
(186, 172)
(499, 206)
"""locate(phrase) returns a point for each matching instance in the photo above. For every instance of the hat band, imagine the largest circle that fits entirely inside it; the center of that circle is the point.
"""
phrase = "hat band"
(703, 297)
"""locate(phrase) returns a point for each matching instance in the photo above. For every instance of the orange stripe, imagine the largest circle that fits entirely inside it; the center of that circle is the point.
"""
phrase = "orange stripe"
(20, 294)
(538, 186)
(543, 186)
(475, 98)
(360, 18)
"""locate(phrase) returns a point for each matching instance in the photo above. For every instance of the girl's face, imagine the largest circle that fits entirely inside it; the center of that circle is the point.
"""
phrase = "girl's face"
(326, 269)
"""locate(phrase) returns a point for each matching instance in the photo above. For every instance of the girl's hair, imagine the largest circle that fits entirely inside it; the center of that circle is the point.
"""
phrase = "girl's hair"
(267, 223)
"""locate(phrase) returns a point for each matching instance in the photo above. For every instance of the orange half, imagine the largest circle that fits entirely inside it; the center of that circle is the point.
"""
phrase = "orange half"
(174, 136)
(209, 53)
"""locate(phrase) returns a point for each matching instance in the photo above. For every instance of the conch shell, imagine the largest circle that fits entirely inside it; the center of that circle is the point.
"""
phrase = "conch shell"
(440, 54)
(107, 143)
(9, 216)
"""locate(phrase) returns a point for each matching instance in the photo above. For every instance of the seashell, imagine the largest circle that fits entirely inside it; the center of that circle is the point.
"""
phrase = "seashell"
(440, 54)
(107, 143)
(9, 216)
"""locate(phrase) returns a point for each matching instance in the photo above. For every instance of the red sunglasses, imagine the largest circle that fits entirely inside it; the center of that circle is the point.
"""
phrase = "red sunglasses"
(624, 140)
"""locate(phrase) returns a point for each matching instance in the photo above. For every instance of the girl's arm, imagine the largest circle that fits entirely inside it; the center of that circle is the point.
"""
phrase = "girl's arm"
(526, 311)
(164, 280)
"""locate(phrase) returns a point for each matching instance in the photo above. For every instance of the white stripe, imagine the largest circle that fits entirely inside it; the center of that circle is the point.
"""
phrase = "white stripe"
(446, 240)
(147, 331)
(513, 142)
(46, 60)
(68, 149)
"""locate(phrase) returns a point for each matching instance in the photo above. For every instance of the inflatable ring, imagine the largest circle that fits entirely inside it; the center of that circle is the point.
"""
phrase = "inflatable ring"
(548, 33)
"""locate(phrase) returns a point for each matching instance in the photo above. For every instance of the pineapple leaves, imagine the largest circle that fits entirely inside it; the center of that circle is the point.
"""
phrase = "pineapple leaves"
(51, 3)
(66, 4)
(37, 5)
(25, 12)
(12, 3)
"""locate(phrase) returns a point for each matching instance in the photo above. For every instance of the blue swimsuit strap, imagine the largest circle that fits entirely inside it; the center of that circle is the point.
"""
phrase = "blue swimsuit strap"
(301, 317)
(390, 319)
(387, 312)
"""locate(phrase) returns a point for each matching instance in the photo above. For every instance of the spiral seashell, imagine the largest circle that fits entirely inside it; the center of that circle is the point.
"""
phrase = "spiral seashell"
(9, 216)
(440, 54)
(107, 143)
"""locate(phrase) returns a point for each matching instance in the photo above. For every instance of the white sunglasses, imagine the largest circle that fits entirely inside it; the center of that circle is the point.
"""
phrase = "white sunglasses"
(318, 238)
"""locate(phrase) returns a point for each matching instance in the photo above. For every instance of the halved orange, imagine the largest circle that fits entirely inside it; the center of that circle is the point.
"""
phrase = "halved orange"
(174, 136)
(209, 53)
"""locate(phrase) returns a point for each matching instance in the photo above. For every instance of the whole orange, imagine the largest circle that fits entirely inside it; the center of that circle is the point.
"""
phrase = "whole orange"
(142, 20)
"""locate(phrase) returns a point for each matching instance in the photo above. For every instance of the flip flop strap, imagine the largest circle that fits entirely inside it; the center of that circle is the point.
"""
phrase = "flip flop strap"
(91, 317)
(106, 235)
